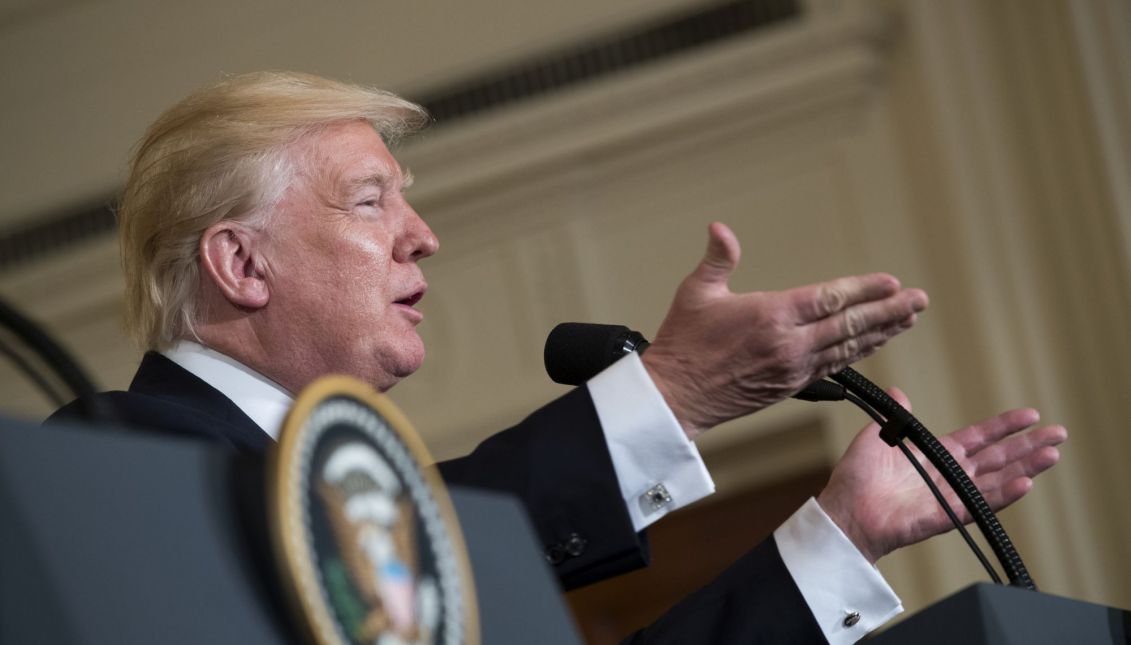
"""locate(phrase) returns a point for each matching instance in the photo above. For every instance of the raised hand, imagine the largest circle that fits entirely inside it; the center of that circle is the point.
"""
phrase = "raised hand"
(875, 496)
(720, 355)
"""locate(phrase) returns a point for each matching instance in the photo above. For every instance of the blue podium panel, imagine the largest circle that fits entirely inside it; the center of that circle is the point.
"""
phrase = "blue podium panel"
(117, 537)
(111, 536)
(987, 614)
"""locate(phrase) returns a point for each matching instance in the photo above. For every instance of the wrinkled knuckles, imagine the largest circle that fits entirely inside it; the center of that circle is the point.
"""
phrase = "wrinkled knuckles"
(830, 299)
(853, 323)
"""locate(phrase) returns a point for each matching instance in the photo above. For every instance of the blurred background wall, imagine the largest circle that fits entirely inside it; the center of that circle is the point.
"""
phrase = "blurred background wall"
(980, 150)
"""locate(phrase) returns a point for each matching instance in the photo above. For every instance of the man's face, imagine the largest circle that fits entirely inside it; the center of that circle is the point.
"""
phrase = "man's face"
(341, 253)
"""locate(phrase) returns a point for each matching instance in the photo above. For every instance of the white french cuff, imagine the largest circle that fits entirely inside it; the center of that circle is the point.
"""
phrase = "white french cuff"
(846, 593)
(659, 469)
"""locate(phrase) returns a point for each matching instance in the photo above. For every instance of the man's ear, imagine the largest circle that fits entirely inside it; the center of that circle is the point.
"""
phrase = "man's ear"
(230, 258)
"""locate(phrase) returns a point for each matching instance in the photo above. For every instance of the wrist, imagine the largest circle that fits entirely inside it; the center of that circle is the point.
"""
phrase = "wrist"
(841, 514)
(660, 371)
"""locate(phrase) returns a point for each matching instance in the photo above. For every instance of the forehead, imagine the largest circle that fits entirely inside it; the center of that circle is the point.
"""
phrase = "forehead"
(344, 154)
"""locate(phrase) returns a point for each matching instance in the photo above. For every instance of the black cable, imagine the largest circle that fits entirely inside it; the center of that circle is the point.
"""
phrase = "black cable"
(950, 513)
(858, 402)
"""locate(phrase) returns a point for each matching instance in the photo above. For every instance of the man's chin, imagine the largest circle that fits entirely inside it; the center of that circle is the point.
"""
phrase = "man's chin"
(407, 365)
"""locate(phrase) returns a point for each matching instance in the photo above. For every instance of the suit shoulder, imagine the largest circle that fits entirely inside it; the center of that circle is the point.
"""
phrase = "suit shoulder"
(146, 412)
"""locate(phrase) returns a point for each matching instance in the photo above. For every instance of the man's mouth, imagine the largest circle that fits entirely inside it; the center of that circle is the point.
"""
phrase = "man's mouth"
(411, 300)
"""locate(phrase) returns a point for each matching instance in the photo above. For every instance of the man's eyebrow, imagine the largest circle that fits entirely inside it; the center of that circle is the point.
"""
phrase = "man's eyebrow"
(380, 179)
(373, 179)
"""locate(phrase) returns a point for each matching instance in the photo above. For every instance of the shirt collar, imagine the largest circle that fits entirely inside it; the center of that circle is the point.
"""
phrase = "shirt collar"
(260, 398)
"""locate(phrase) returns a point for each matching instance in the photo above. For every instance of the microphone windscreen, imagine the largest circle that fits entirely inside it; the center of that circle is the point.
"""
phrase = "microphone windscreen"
(576, 352)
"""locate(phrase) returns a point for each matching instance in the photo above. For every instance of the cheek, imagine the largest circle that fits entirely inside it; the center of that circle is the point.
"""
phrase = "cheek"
(339, 290)
(361, 255)
(347, 270)
(362, 289)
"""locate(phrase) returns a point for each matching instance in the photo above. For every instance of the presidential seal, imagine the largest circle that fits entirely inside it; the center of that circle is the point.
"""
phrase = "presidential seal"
(364, 533)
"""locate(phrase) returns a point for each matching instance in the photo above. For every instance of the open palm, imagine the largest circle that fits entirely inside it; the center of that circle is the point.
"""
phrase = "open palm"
(878, 499)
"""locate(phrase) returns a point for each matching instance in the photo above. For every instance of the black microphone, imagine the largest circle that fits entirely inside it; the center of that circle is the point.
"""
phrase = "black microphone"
(576, 352)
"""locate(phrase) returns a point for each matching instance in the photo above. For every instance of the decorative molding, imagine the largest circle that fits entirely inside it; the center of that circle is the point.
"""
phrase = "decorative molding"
(586, 62)
(832, 64)
(524, 81)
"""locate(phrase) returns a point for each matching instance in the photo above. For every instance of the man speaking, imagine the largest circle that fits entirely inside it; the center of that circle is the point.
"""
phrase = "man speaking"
(266, 241)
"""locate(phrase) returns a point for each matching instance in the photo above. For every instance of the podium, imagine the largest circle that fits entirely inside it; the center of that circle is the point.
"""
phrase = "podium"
(116, 536)
(988, 614)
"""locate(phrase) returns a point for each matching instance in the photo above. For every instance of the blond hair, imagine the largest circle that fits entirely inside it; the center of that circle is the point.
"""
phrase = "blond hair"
(223, 154)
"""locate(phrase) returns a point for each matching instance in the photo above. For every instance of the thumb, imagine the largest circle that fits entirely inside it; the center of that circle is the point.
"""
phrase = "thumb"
(723, 252)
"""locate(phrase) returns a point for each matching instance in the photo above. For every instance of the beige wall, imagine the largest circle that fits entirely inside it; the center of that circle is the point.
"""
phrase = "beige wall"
(976, 149)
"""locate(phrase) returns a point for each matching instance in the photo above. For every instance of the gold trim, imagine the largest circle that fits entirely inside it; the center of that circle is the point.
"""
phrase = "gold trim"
(290, 546)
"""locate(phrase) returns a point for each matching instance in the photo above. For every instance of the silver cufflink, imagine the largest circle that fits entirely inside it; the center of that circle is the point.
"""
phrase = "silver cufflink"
(851, 619)
(656, 497)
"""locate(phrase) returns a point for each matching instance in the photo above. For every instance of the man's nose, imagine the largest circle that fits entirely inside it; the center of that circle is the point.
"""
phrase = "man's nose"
(417, 241)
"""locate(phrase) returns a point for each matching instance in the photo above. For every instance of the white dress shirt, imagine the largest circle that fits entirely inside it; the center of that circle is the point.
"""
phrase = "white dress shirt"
(658, 469)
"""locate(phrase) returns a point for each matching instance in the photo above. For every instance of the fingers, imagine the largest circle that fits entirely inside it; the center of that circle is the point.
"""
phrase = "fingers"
(818, 301)
(890, 316)
(849, 350)
(1030, 466)
(1009, 476)
(997, 497)
(1017, 450)
(1004, 487)
(971, 440)
(1013, 490)
(721, 258)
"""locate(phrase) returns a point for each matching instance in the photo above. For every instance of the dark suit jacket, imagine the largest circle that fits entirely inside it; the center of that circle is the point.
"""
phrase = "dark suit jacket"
(557, 463)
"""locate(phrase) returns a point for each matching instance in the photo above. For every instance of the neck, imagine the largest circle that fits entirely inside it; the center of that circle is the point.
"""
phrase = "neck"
(239, 341)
